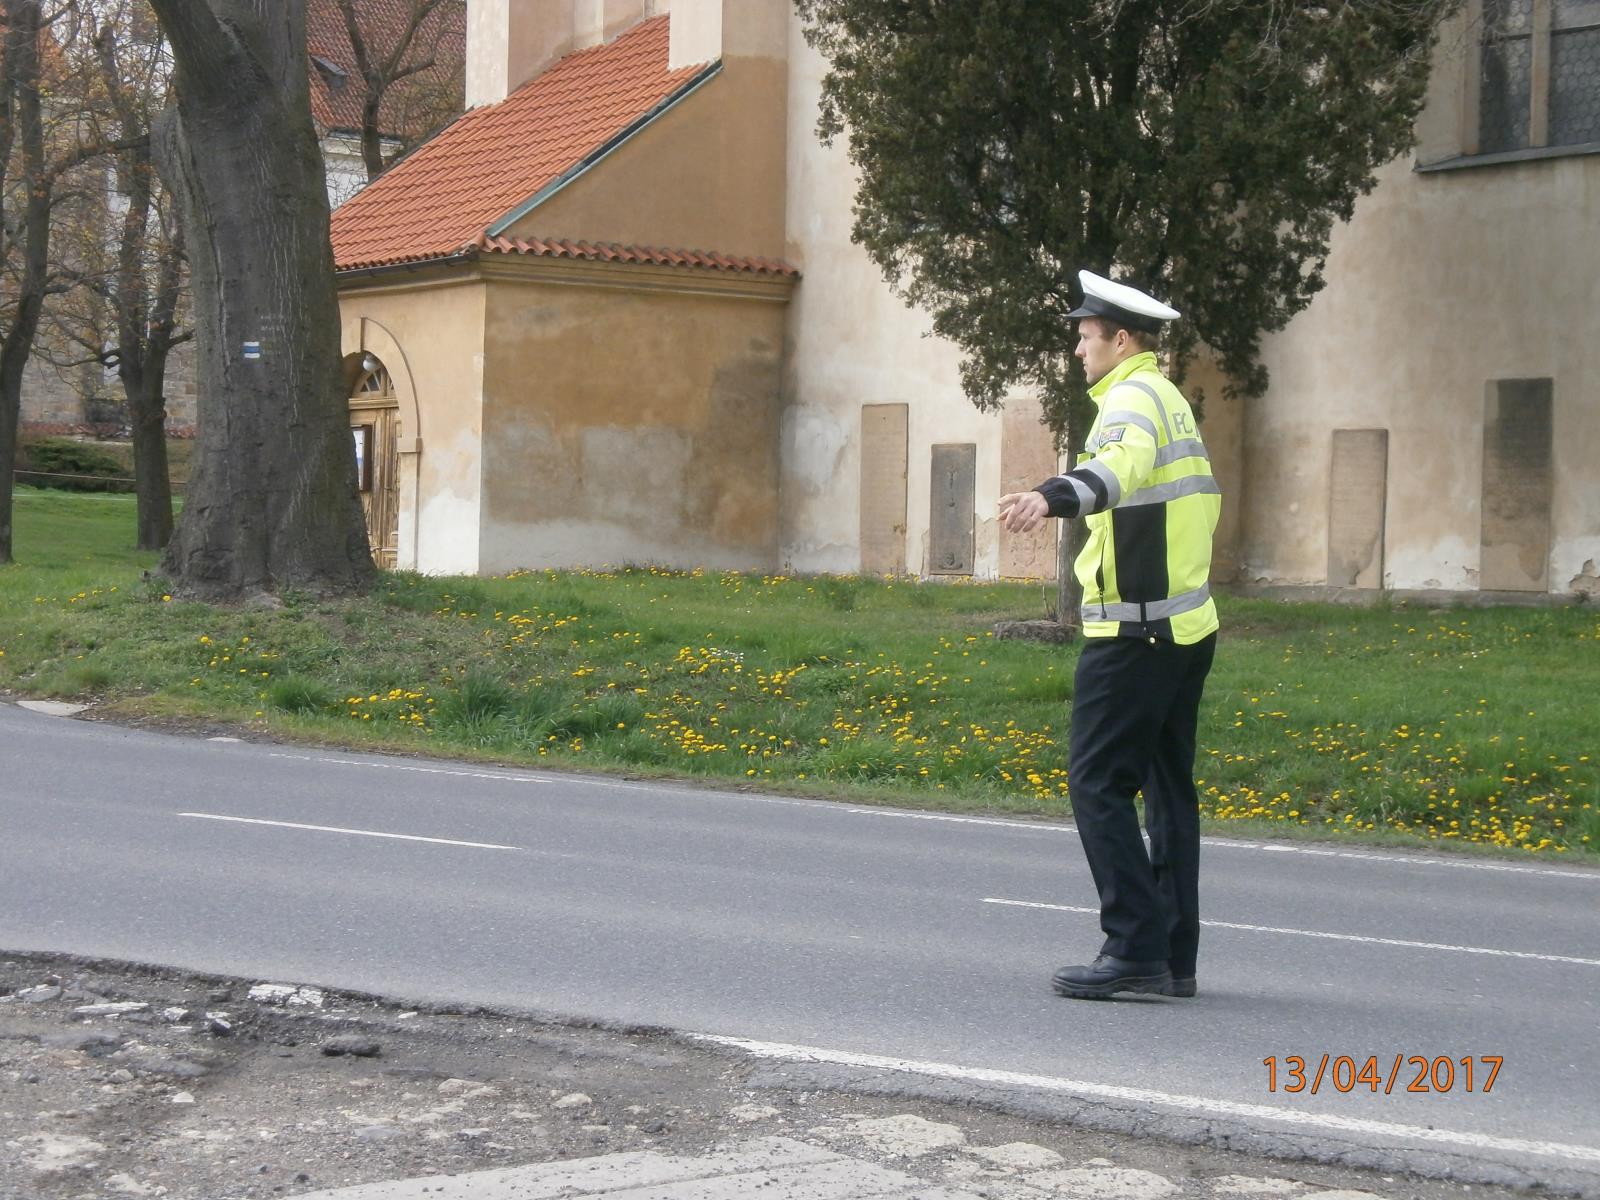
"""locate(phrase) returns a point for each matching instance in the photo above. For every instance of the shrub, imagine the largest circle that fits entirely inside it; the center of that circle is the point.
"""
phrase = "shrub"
(72, 466)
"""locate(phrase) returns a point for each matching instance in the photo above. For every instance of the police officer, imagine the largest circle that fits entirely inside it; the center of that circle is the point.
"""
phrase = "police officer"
(1144, 486)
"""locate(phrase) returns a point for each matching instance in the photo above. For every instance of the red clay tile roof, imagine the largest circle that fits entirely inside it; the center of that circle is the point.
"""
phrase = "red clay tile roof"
(609, 252)
(443, 198)
(414, 106)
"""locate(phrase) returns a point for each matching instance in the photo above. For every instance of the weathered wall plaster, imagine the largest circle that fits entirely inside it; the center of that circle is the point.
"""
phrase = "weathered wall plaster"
(1442, 282)
(431, 339)
(852, 342)
(706, 175)
(630, 426)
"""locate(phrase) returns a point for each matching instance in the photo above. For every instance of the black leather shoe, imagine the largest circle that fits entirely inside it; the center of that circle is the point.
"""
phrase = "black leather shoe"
(1181, 986)
(1108, 975)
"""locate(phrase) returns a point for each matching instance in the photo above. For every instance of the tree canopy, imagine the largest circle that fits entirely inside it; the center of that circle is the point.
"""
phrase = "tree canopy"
(1200, 149)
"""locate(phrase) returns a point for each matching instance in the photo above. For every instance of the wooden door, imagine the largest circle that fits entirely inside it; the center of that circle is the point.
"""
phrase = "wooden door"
(375, 425)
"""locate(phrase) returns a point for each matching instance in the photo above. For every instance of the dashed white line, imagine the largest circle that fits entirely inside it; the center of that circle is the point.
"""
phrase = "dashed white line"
(1035, 826)
(1335, 937)
(1465, 864)
(498, 776)
(1468, 864)
(508, 777)
(1207, 1105)
(403, 837)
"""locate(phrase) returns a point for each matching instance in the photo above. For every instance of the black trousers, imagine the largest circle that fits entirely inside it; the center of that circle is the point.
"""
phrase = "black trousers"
(1135, 706)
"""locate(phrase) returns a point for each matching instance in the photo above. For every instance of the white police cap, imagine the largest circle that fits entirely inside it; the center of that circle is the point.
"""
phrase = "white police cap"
(1120, 303)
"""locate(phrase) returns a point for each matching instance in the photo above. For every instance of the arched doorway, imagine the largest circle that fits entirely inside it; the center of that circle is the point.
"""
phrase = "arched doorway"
(375, 425)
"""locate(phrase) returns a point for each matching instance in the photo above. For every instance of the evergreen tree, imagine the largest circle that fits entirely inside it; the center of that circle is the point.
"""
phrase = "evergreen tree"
(1200, 149)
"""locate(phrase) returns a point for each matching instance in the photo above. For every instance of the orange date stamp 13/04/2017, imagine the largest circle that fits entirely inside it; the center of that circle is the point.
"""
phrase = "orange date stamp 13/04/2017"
(1346, 1073)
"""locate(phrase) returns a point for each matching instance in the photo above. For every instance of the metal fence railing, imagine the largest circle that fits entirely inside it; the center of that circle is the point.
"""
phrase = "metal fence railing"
(177, 484)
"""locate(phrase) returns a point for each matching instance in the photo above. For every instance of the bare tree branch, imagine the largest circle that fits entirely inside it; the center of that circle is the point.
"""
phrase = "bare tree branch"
(381, 71)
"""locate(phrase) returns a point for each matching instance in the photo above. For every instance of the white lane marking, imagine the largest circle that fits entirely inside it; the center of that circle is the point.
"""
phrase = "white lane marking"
(1203, 1104)
(1035, 826)
(507, 777)
(388, 766)
(1335, 937)
(402, 837)
(1467, 864)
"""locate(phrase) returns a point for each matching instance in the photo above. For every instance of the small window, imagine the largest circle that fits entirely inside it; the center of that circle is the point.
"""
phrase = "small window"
(335, 76)
(1575, 72)
(374, 383)
(363, 440)
(1539, 75)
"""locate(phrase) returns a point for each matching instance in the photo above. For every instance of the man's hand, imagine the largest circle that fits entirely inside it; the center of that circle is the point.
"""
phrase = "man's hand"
(1023, 512)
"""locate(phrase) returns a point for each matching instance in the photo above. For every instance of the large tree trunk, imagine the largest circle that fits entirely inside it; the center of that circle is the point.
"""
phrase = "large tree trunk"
(1074, 534)
(144, 342)
(152, 483)
(10, 408)
(1069, 592)
(22, 126)
(272, 500)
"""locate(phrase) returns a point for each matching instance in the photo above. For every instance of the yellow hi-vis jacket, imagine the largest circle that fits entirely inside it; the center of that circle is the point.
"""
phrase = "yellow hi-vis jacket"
(1145, 487)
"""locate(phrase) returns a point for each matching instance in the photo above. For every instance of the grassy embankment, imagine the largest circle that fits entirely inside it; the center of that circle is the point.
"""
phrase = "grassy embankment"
(1473, 727)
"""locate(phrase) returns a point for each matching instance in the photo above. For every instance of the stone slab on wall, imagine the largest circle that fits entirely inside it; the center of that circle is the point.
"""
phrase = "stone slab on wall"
(1517, 485)
(883, 488)
(1027, 457)
(1358, 490)
(951, 542)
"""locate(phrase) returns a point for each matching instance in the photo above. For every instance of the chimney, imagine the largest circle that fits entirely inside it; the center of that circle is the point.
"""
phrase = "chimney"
(511, 41)
(706, 30)
(597, 21)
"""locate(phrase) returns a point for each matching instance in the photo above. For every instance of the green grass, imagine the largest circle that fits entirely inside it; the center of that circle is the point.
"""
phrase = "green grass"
(71, 540)
(1466, 727)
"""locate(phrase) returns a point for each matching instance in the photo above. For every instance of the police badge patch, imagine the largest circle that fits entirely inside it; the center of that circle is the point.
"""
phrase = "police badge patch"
(1108, 436)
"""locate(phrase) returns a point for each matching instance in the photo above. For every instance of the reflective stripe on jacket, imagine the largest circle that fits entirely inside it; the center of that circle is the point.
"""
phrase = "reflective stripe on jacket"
(1145, 488)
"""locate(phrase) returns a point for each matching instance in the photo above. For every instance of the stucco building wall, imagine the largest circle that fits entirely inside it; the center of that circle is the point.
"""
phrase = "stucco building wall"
(706, 175)
(852, 342)
(429, 334)
(567, 414)
(1444, 282)
(1222, 425)
(630, 416)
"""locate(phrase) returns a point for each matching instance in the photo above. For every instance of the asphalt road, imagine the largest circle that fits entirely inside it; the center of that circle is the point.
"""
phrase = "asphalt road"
(859, 934)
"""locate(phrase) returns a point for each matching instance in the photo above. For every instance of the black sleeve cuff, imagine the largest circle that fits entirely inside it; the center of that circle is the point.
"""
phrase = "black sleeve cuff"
(1058, 494)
